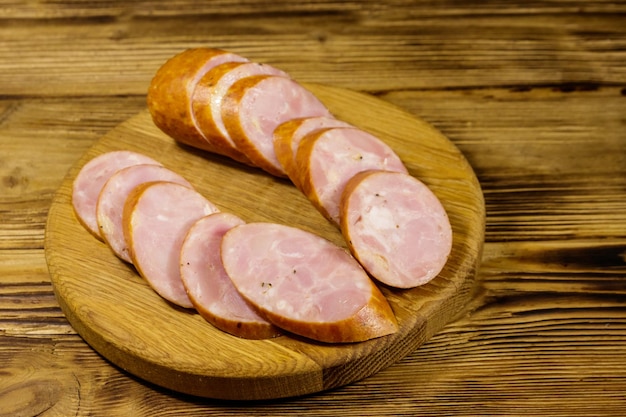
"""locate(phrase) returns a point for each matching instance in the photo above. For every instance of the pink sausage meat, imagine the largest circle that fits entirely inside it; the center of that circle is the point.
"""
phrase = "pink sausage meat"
(210, 91)
(254, 106)
(157, 216)
(287, 137)
(209, 288)
(396, 227)
(111, 201)
(329, 159)
(92, 177)
(305, 284)
(171, 91)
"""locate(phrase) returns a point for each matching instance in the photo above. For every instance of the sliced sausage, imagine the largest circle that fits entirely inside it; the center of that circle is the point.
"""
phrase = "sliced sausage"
(254, 106)
(328, 158)
(111, 201)
(305, 284)
(92, 177)
(170, 92)
(156, 218)
(287, 137)
(396, 227)
(207, 102)
(209, 288)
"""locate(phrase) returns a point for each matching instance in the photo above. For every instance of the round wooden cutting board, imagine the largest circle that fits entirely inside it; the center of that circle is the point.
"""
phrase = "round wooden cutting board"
(119, 315)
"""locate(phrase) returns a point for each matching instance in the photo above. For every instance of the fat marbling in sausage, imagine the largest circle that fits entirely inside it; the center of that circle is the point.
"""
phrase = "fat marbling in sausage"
(110, 206)
(396, 227)
(156, 218)
(207, 102)
(328, 158)
(208, 286)
(305, 284)
(287, 137)
(92, 177)
(253, 108)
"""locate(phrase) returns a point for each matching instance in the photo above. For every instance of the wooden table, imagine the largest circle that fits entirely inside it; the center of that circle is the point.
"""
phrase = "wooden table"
(534, 95)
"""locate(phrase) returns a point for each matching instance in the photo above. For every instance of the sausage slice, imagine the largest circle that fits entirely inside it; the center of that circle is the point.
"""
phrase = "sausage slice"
(209, 288)
(171, 90)
(305, 284)
(287, 137)
(207, 102)
(110, 206)
(254, 106)
(328, 158)
(396, 227)
(156, 218)
(92, 177)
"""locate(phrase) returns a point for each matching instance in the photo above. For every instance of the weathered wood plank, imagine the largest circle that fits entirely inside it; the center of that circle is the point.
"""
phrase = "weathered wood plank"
(384, 9)
(358, 52)
(549, 130)
(498, 354)
(571, 268)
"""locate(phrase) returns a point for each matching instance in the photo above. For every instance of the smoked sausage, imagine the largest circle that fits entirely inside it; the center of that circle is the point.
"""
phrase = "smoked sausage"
(171, 89)
(396, 227)
(208, 286)
(92, 177)
(156, 218)
(287, 137)
(207, 103)
(328, 158)
(113, 195)
(254, 106)
(305, 284)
